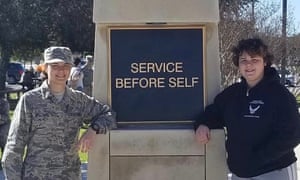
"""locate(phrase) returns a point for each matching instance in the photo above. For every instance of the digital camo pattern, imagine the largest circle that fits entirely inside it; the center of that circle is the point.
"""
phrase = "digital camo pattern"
(4, 121)
(57, 53)
(50, 130)
(4, 111)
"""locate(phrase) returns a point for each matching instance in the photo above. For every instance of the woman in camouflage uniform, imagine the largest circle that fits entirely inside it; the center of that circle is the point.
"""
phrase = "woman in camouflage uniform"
(47, 121)
(4, 121)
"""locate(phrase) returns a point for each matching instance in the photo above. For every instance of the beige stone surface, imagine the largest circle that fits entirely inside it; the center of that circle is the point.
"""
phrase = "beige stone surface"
(98, 159)
(156, 154)
(141, 11)
(169, 156)
(158, 168)
(212, 71)
(215, 164)
(101, 72)
(154, 142)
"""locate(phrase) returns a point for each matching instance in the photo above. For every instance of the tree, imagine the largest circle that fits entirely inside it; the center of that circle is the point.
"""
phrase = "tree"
(235, 24)
(28, 27)
(243, 19)
(9, 33)
(77, 29)
(293, 60)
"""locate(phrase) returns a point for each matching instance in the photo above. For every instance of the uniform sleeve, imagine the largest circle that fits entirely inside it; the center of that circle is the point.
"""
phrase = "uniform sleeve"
(12, 159)
(4, 116)
(100, 114)
(212, 115)
(286, 129)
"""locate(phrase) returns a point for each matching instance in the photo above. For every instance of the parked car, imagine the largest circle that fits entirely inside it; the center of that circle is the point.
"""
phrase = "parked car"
(14, 72)
(290, 79)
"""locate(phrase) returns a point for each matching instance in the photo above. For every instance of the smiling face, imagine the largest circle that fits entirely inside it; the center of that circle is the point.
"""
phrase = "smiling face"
(58, 73)
(252, 68)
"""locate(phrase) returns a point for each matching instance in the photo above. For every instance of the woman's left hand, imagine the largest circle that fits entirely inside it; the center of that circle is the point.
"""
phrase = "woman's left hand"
(87, 140)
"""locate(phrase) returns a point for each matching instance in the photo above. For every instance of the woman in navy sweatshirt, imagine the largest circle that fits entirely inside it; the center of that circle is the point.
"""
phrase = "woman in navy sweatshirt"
(260, 115)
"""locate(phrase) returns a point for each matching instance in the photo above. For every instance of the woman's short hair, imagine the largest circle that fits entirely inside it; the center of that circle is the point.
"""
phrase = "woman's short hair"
(253, 46)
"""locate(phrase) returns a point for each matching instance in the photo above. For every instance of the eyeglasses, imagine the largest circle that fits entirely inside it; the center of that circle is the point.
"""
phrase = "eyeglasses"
(60, 67)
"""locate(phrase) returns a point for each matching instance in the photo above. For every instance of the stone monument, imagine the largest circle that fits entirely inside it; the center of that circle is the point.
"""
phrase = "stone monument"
(157, 65)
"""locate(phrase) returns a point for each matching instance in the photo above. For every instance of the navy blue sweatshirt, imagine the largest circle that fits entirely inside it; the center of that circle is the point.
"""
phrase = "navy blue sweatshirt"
(263, 125)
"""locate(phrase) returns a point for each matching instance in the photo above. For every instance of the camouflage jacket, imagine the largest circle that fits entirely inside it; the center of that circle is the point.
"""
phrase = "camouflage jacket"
(50, 128)
(4, 121)
(4, 111)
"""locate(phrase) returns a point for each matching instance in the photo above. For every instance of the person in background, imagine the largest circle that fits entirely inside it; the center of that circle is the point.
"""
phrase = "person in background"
(75, 80)
(27, 79)
(47, 122)
(88, 71)
(260, 115)
(41, 73)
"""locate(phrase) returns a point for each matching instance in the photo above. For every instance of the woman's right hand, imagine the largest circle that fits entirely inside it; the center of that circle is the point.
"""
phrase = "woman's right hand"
(202, 134)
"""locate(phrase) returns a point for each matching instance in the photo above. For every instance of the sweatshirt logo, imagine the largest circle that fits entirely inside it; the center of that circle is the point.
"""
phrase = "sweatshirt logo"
(253, 110)
(254, 106)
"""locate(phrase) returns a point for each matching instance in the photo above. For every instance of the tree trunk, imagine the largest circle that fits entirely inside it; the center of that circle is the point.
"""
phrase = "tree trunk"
(6, 52)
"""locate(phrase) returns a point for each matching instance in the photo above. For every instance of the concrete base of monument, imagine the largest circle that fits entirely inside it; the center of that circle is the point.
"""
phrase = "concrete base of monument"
(168, 154)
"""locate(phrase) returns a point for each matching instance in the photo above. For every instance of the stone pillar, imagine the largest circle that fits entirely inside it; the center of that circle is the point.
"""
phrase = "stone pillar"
(134, 153)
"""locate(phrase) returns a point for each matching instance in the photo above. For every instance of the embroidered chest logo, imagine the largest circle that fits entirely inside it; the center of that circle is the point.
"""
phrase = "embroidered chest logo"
(254, 106)
(253, 110)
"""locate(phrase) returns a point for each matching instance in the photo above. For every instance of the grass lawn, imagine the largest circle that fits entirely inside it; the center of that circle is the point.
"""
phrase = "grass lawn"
(83, 156)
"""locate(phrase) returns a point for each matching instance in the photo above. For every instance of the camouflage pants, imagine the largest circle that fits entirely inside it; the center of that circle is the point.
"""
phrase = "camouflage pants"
(4, 128)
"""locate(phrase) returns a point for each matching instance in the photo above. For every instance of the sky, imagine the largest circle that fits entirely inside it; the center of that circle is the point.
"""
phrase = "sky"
(295, 6)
